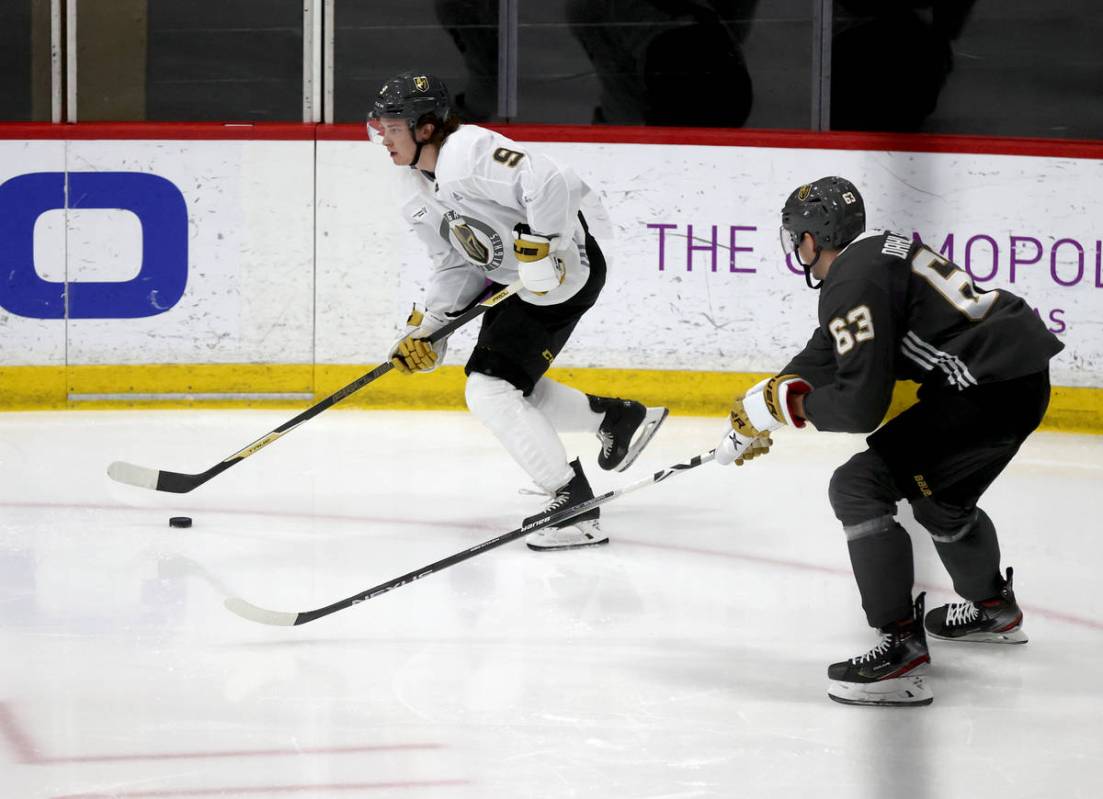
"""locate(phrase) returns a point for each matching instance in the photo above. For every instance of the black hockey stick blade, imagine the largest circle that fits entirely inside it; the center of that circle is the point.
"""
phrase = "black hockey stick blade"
(251, 612)
(181, 483)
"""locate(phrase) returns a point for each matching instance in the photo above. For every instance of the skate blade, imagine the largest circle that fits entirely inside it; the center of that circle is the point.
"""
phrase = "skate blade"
(561, 547)
(900, 692)
(1010, 637)
(553, 543)
(652, 421)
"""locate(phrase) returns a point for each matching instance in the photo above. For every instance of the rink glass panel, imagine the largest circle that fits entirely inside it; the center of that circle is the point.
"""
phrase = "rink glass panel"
(720, 63)
(205, 60)
(456, 40)
(25, 60)
(986, 67)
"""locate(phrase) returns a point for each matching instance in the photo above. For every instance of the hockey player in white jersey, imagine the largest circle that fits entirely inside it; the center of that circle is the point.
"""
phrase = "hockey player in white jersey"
(490, 210)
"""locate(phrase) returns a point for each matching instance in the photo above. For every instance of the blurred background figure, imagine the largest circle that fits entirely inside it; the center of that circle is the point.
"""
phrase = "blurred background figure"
(667, 62)
(890, 60)
(473, 26)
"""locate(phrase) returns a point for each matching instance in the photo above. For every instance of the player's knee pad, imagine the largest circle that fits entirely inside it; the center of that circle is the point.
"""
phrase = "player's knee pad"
(879, 525)
(947, 523)
(862, 490)
(521, 428)
(491, 397)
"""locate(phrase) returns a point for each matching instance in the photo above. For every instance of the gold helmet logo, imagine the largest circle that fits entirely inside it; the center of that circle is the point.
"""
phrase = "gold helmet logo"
(421, 83)
(803, 193)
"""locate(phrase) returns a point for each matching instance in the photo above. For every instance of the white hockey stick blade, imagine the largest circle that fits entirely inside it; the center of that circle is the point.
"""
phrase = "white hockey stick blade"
(131, 474)
(251, 612)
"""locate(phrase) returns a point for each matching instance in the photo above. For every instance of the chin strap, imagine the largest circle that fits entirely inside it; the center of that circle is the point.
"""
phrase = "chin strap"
(419, 145)
(808, 270)
(417, 154)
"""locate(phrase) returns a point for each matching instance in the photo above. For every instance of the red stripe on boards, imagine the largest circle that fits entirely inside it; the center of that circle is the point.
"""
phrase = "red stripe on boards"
(595, 134)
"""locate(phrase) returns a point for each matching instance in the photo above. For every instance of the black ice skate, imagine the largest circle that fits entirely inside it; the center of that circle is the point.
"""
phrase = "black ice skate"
(892, 673)
(996, 621)
(580, 531)
(627, 428)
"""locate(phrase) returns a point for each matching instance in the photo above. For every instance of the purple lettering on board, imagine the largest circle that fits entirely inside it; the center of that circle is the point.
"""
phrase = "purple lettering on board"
(1016, 260)
(789, 263)
(1098, 263)
(662, 228)
(733, 249)
(947, 248)
(969, 258)
(690, 247)
(1079, 262)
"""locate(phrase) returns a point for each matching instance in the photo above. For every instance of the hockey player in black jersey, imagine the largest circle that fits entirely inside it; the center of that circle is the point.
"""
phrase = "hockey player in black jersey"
(892, 309)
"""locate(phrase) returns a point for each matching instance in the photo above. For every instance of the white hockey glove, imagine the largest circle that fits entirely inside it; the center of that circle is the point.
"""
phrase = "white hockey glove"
(734, 448)
(763, 409)
(539, 268)
(413, 352)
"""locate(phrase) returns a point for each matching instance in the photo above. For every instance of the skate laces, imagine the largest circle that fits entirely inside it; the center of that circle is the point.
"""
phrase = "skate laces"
(606, 433)
(537, 492)
(961, 613)
(606, 439)
(882, 647)
(554, 500)
(558, 501)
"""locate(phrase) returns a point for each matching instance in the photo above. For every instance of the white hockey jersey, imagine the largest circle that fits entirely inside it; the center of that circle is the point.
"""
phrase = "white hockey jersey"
(485, 185)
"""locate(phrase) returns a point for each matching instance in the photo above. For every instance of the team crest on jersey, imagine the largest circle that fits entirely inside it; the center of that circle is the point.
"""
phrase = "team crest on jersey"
(421, 83)
(803, 193)
(477, 241)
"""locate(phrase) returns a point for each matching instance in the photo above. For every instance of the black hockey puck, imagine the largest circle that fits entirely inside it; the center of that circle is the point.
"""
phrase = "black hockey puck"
(180, 521)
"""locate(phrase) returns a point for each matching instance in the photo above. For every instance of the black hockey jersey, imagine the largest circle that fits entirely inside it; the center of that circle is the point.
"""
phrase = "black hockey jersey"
(893, 309)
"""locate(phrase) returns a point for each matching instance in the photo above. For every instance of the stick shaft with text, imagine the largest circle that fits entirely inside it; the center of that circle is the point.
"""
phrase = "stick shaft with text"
(277, 618)
(181, 483)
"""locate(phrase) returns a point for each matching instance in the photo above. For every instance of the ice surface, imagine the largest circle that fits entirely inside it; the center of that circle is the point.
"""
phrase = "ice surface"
(686, 659)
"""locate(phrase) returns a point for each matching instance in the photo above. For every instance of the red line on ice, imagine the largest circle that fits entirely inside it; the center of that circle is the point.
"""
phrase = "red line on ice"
(26, 750)
(1056, 615)
(325, 750)
(265, 789)
(18, 740)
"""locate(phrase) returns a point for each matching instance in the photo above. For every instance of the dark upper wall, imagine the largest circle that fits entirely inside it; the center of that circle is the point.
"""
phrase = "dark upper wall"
(987, 67)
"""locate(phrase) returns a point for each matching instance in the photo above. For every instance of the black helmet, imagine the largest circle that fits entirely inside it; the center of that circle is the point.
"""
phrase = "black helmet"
(831, 209)
(411, 96)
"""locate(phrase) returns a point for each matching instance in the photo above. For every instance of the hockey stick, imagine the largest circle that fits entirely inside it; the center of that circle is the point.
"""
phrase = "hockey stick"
(251, 612)
(178, 483)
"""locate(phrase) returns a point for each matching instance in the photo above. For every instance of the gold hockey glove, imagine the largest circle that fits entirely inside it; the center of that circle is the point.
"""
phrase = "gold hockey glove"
(768, 405)
(539, 268)
(413, 352)
(414, 355)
